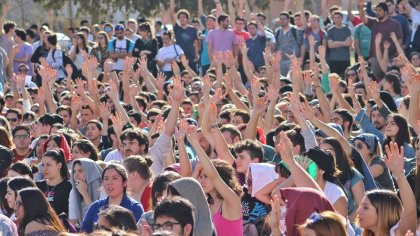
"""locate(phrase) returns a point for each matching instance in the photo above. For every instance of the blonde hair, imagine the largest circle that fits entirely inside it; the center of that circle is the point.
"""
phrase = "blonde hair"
(388, 209)
(328, 223)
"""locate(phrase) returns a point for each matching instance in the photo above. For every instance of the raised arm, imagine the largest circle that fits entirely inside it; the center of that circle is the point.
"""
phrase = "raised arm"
(184, 161)
(172, 12)
(414, 109)
(257, 110)
(362, 16)
(232, 209)
(176, 95)
(395, 162)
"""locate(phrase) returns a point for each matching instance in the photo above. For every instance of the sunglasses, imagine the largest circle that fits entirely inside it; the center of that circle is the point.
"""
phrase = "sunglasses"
(101, 38)
(108, 29)
(359, 146)
(351, 74)
(12, 119)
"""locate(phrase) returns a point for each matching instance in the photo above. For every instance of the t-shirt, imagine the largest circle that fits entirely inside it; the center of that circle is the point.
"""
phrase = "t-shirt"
(204, 57)
(384, 180)
(57, 196)
(319, 36)
(241, 37)
(114, 155)
(25, 50)
(333, 192)
(335, 33)
(222, 40)
(363, 34)
(252, 208)
(385, 28)
(415, 21)
(256, 48)
(7, 44)
(17, 157)
(120, 47)
(185, 39)
(169, 52)
(348, 185)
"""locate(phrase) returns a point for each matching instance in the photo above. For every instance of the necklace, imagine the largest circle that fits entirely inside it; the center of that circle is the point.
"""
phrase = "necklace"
(49, 198)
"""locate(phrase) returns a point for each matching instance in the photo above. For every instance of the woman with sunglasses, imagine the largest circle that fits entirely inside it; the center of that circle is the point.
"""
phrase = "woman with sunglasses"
(100, 51)
(56, 184)
(114, 182)
(35, 214)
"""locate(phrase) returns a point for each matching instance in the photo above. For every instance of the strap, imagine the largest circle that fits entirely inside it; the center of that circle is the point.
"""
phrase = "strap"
(176, 51)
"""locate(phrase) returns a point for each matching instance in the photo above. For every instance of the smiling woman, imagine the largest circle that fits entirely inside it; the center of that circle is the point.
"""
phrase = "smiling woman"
(114, 182)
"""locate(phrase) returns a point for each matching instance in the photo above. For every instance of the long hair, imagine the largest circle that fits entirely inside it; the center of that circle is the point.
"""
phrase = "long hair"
(6, 138)
(388, 208)
(18, 183)
(7, 211)
(344, 164)
(328, 223)
(119, 169)
(403, 135)
(227, 173)
(160, 183)
(58, 156)
(85, 146)
(85, 44)
(105, 35)
(40, 212)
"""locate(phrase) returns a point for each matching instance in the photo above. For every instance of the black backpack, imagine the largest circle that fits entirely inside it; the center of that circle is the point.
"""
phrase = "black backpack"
(67, 61)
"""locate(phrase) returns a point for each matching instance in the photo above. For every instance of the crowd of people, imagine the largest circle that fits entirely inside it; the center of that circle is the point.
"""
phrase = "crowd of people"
(219, 125)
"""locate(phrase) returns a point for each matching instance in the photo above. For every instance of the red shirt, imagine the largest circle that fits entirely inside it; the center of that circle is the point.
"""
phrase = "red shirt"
(17, 157)
(146, 198)
(241, 37)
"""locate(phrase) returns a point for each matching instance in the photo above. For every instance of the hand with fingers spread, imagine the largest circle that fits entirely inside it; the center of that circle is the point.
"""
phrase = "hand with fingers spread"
(145, 229)
(395, 159)
(374, 90)
(260, 105)
(294, 104)
(40, 97)
(212, 114)
(80, 87)
(117, 123)
(275, 214)
(181, 131)
(350, 87)
(272, 94)
(284, 147)
(217, 96)
(206, 87)
(218, 58)
(334, 84)
(307, 110)
(76, 103)
(134, 90)
(69, 70)
(113, 91)
(243, 48)
(108, 65)
(230, 59)
(228, 82)
(315, 76)
(312, 41)
(387, 44)
(19, 80)
(307, 79)
(192, 134)
(177, 91)
(160, 81)
(255, 87)
(104, 113)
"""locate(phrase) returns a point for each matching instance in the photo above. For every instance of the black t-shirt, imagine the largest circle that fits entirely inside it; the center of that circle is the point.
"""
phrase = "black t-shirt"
(57, 196)
(185, 39)
(253, 210)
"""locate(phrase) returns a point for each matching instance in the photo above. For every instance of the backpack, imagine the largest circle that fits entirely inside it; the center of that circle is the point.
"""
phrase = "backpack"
(321, 34)
(292, 29)
(67, 61)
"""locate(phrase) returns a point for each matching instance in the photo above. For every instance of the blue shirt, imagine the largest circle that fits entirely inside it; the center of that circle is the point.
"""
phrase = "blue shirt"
(92, 214)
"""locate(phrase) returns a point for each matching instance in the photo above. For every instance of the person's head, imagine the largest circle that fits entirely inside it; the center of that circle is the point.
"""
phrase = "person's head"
(138, 169)
(239, 24)
(314, 22)
(381, 11)
(54, 165)
(377, 119)
(86, 114)
(46, 122)
(102, 39)
(183, 16)
(134, 142)
(65, 112)
(114, 180)
(344, 164)
(343, 118)
(415, 58)
(167, 38)
(247, 151)
(324, 223)
(174, 214)
(160, 184)
(44, 41)
(145, 30)
(392, 83)
(84, 148)
(379, 211)
(6, 138)
(396, 129)
(224, 21)
(14, 185)
(284, 18)
(84, 23)
(39, 147)
(81, 41)
(9, 27)
(128, 33)
(253, 28)
(368, 145)
(26, 211)
(231, 134)
(324, 160)
(4, 206)
(93, 130)
(21, 137)
(210, 22)
(391, 6)
(20, 35)
(337, 18)
(116, 217)
(240, 117)
(52, 40)
(20, 168)
(14, 116)
(109, 29)
(119, 31)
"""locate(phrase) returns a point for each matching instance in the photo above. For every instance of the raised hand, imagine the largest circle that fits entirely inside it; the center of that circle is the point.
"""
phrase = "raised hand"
(387, 44)
(76, 103)
(260, 105)
(294, 104)
(40, 97)
(217, 96)
(117, 123)
(192, 134)
(113, 91)
(160, 81)
(307, 110)
(378, 38)
(350, 86)
(19, 80)
(181, 131)
(108, 65)
(177, 91)
(255, 87)
(243, 48)
(374, 90)
(272, 94)
(284, 148)
(80, 86)
(69, 69)
(206, 87)
(334, 84)
(315, 76)
(134, 89)
(321, 52)
(394, 158)
(184, 60)
(104, 112)
(312, 41)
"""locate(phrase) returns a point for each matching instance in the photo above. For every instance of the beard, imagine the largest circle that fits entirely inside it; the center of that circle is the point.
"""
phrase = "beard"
(378, 125)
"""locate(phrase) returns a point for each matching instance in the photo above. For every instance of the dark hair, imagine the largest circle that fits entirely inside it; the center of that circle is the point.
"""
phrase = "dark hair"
(403, 135)
(238, 18)
(97, 123)
(119, 169)
(222, 18)
(136, 134)
(41, 212)
(395, 81)
(168, 33)
(228, 175)
(160, 183)
(346, 116)
(21, 127)
(286, 14)
(260, 14)
(297, 139)
(20, 182)
(22, 168)
(64, 108)
(85, 29)
(4, 206)
(16, 111)
(119, 217)
(139, 164)
(58, 157)
(253, 147)
(146, 27)
(21, 34)
(85, 43)
(344, 164)
(178, 208)
(135, 114)
(233, 130)
(243, 114)
(183, 11)
(31, 33)
(52, 39)
(85, 146)
(383, 6)
(8, 25)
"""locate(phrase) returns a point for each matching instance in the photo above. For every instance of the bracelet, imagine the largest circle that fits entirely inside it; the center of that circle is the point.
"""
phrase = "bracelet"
(399, 176)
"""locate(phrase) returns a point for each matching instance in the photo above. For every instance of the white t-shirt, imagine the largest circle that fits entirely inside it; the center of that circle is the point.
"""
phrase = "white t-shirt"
(120, 46)
(168, 52)
(114, 155)
(415, 17)
(333, 192)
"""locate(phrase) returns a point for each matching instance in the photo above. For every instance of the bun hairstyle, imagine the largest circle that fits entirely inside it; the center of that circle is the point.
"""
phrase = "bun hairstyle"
(58, 156)
(140, 164)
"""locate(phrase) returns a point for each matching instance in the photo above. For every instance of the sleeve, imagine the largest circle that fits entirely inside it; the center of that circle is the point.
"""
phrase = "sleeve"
(35, 56)
(367, 125)
(399, 31)
(179, 49)
(310, 139)
(72, 206)
(356, 177)
(87, 225)
(263, 39)
(159, 55)
(299, 35)
(137, 211)
(356, 33)
(370, 23)
(325, 83)
(348, 32)
(56, 60)
(407, 33)
(329, 34)
(137, 48)
(209, 38)
(131, 46)
(194, 33)
(28, 51)
(159, 153)
(384, 111)
(369, 9)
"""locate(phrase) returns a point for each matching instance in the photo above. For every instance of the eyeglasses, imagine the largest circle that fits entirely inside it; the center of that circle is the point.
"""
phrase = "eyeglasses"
(167, 226)
(18, 203)
(21, 136)
(23, 70)
(351, 74)
(359, 146)
(12, 119)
